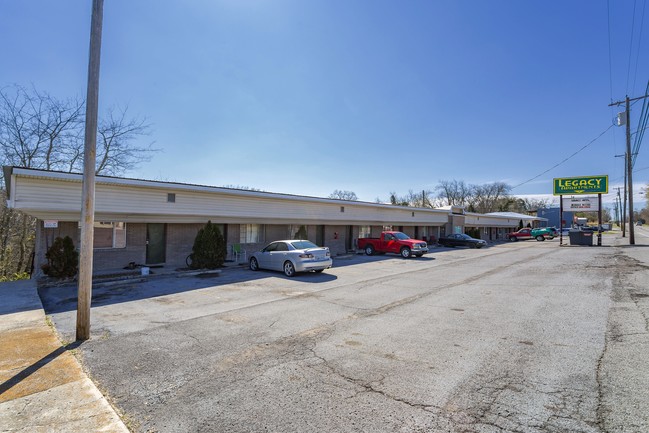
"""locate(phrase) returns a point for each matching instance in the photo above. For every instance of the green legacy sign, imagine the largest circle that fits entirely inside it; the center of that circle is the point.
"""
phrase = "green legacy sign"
(581, 185)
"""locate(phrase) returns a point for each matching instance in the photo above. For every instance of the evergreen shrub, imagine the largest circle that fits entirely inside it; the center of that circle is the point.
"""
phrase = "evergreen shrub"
(62, 259)
(209, 249)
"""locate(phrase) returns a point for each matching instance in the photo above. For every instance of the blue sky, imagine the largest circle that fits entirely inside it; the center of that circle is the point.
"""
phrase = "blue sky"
(306, 97)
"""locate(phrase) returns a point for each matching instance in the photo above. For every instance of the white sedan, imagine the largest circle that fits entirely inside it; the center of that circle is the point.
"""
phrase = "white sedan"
(291, 256)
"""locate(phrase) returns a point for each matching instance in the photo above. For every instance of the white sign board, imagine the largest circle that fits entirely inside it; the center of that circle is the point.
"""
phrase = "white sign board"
(580, 204)
(49, 224)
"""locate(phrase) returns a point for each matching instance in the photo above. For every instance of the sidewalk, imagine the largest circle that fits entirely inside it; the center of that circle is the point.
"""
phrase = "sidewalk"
(42, 385)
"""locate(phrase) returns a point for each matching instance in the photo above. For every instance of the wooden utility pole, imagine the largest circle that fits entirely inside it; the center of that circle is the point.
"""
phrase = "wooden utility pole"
(629, 169)
(629, 163)
(623, 206)
(89, 163)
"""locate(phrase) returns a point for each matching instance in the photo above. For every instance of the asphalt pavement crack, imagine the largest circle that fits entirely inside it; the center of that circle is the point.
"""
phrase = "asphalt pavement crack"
(371, 387)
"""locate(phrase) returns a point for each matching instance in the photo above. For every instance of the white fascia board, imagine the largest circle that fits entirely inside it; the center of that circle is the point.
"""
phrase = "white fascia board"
(172, 186)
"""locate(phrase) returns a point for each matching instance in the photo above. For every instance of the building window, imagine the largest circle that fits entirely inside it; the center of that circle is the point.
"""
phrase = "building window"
(342, 208)
(250, 233)
(364, 232)
(171, 198)
(108, 234)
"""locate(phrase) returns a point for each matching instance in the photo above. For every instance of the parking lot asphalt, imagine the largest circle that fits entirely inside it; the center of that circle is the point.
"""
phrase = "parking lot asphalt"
(514, 337)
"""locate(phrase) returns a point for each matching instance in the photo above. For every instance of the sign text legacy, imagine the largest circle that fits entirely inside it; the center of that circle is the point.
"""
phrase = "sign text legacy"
(581, 185)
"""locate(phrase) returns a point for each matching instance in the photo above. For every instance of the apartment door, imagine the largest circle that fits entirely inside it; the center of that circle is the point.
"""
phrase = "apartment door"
(349, 238)
(320, 235)
(156, 243)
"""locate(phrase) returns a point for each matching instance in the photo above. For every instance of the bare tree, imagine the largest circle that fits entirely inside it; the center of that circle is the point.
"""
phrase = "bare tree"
(116, 152)
(490, 197)
(397, 200)
(423, 199)
(40, 131)
(245, 188)
(343, 195)
(36, 129)
(643, 216)
(454, 193)
(485, 197)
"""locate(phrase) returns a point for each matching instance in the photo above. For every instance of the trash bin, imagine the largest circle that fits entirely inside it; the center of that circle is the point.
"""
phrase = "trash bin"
(579, 237)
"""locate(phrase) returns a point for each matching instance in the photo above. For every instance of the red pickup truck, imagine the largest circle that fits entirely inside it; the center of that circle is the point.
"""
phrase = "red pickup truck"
(393, 242)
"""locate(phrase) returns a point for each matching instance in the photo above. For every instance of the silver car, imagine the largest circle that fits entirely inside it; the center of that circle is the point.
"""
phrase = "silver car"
(291, 256)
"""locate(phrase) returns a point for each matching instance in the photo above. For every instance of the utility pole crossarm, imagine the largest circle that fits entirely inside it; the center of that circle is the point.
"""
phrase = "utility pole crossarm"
(628, 99)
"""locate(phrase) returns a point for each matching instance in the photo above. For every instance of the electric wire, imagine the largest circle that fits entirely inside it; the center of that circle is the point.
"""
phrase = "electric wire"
(610, 67)
(566, 159)
(610, 56)
(628, 71)
(637, 57)
(642, 127)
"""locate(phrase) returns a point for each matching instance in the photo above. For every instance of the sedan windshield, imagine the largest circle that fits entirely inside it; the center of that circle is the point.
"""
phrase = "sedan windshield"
(303, 245)
(401, 236)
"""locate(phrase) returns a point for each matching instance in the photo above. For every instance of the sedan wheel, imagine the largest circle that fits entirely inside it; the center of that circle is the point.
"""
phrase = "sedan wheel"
(289, 269)
(540, 238)
(254, 265)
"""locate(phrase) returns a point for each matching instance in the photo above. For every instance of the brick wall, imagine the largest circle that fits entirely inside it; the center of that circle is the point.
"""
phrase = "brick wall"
(336, 246)
(117, 258)
(180, 240)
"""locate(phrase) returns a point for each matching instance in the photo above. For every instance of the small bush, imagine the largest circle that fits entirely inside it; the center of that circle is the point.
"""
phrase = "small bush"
(62, 259)
(209, 248)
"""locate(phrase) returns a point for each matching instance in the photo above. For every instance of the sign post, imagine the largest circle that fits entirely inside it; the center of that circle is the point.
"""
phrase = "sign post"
(581, 186)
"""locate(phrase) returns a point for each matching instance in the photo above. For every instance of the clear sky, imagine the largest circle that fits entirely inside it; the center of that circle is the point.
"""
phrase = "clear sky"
(371, 96)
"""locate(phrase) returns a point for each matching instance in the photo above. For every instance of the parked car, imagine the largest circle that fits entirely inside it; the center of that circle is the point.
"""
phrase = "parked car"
(590, 228)
(539, 234)
(393, 242)
(291, 256)
(461, 240)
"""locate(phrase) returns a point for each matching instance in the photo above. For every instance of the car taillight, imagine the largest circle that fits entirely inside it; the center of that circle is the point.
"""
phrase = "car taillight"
(306, 256)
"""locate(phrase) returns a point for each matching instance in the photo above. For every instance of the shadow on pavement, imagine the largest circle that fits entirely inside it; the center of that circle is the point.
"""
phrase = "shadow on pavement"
(28, 371)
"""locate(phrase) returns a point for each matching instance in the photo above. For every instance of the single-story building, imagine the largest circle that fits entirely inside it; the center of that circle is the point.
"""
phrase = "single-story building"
(155, 223)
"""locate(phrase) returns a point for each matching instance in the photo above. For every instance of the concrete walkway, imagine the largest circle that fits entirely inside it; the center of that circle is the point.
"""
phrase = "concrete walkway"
(42, 385)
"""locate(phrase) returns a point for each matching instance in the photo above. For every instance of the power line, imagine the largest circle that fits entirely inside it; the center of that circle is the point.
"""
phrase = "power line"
(610, 56)
(566, 159)
(637, 58)
(642, 126)
(628, 71)
(610, 65)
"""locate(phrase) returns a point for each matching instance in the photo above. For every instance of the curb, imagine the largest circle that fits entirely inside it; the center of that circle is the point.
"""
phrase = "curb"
(43, 386)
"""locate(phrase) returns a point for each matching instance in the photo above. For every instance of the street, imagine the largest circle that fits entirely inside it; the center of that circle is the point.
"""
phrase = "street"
(516, 337)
